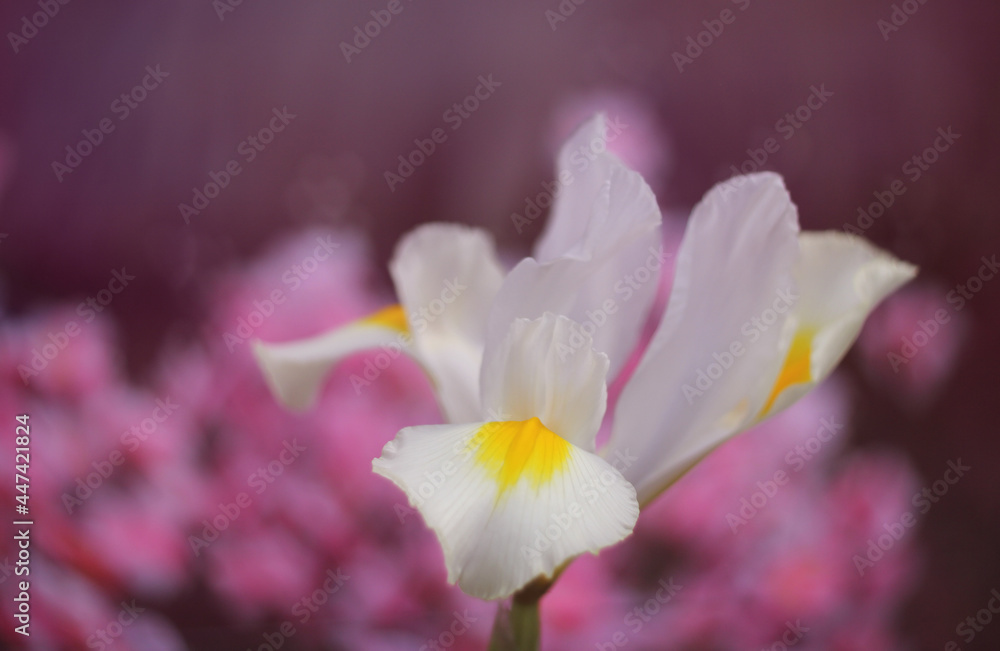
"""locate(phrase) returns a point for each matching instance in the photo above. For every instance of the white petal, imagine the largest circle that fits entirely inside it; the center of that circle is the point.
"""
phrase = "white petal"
(581, 177)
(294, 371)
(499, 534)
(841, 279)
(732, 281)
(547, 368)
(607, 271)
(446, 276)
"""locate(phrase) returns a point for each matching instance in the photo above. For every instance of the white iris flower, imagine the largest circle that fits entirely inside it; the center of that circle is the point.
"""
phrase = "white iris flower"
(759, 313)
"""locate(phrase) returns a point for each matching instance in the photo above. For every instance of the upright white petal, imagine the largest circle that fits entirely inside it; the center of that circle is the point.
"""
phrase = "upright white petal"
(719, 348)
(547, 368)
(508, 501)
(841, 278)
(581, 172)
(605, 232)
(294, 371)
(447, 276)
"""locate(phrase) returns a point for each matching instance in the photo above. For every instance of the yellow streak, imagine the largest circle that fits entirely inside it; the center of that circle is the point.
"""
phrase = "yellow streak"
(797, 367)
(389, 317)
(512, 450)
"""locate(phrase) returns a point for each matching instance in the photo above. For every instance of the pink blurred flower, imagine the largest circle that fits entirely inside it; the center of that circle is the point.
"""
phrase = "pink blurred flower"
(911, 343)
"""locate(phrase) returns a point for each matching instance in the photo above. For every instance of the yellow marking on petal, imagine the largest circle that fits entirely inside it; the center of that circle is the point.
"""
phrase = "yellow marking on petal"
(797, 368)
(514, 450)
(389, 317)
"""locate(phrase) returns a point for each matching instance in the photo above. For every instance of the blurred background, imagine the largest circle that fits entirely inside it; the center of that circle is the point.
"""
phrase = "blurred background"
(165, 166)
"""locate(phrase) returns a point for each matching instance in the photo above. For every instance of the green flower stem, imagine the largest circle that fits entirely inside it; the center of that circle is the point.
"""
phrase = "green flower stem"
(516, 627)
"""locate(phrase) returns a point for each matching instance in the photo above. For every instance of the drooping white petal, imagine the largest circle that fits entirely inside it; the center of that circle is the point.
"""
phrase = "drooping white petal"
(599, 264)
(508, 501)
(841, 278)
(295, 370)
(547, 368)
(446, 276)
(720, 346)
